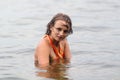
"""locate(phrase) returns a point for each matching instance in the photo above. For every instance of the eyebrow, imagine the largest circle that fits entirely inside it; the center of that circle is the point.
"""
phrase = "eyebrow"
(65, 25)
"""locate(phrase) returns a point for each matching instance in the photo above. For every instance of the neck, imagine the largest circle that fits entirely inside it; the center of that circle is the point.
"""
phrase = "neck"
(56, 43)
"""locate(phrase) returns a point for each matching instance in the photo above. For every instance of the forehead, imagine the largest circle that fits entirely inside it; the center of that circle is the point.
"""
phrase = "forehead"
(61, 23)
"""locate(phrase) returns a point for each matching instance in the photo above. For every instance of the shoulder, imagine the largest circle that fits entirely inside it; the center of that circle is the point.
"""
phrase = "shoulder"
(43, 46)
(64, 41)
(43, 43)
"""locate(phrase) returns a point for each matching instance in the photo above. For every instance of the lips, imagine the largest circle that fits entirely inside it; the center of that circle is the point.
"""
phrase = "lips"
(60, 37)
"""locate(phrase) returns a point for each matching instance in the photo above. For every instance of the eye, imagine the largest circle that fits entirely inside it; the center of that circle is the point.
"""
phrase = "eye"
(59, 29)
(66, 31)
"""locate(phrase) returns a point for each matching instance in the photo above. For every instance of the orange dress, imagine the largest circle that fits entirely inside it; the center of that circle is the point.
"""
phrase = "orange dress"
(58, 52)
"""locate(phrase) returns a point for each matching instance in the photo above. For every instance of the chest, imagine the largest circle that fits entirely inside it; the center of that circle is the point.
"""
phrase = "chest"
(54, 54)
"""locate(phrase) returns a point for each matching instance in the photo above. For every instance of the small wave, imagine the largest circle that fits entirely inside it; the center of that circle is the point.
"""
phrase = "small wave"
(11, 78)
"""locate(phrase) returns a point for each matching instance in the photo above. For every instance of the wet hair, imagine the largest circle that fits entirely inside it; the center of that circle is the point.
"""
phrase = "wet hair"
(60, 16)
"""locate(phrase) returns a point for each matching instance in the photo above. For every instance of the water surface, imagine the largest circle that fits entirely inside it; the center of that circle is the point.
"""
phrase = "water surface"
(94, 43)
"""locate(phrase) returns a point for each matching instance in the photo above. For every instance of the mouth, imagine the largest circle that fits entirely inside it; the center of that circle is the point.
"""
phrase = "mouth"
(60, 37)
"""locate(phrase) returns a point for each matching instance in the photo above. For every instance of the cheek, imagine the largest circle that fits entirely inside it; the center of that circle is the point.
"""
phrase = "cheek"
(51, 29)
(53, 32)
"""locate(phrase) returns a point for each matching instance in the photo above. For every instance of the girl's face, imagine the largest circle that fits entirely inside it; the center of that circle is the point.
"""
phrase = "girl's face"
(60, 30)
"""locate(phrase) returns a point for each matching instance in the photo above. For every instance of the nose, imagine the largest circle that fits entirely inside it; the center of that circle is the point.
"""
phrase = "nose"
(61, 33)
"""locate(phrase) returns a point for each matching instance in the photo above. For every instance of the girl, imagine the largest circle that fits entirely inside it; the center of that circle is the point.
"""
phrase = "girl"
(54, 46)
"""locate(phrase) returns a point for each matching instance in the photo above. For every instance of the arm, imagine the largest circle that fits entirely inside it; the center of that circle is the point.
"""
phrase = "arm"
(42, 53)
(67, 51)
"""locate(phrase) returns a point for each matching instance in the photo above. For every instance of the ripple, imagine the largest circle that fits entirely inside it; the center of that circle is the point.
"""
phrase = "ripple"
(26, 51)
(11, 78)
(18, 51)
(91, 28)
(6, 68)
(1, 69)
(110, 66)
(6, 57)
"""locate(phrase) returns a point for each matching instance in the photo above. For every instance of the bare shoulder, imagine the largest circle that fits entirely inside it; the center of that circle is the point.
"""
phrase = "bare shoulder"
(66, 49)
(64, 42)
(43, 42)
(42, 46)
(42, 52)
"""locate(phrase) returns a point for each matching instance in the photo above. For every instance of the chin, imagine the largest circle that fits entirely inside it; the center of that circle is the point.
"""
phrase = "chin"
(58, 40)
(61, 39)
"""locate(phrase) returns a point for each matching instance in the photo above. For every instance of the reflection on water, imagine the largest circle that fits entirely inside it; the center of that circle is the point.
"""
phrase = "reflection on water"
(94, 43)
(57, 71)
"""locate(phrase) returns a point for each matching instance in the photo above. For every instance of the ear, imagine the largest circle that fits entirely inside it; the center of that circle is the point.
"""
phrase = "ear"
(51, 28)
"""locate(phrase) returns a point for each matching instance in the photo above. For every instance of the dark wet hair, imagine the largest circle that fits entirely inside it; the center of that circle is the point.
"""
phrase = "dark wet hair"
(60, 16)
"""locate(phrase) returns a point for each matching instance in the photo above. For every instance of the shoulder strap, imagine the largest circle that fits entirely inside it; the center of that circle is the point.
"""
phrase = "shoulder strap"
(58, 53)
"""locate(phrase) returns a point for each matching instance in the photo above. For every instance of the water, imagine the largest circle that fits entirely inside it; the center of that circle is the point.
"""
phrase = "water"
(95, 44)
